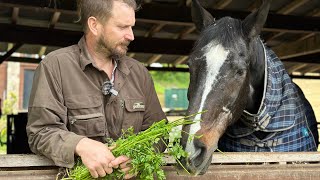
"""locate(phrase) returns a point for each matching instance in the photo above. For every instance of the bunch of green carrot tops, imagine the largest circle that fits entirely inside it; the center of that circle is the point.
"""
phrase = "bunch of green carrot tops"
(146, 160)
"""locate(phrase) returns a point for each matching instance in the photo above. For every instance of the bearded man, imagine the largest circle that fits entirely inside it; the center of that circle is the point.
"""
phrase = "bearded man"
(85, 94)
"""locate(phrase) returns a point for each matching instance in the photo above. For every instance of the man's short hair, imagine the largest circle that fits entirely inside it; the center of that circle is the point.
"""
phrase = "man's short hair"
(100, 9)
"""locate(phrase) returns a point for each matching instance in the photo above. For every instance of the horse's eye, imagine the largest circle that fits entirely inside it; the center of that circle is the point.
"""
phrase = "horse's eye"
(240, 72)
(241, 54)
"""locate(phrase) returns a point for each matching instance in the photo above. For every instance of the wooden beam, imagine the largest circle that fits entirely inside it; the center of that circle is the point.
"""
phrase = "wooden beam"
(62, 38)
(295, 68)
(315, 13)
(222, 4)
(180, 60)
(254, 5)
(304, 37)
(299, 48)
(131, 55)
(303, 76)
(185, 32)
(188, 2)
(313, 69)
(10, 45)
(307, 58)
(274, 22)
(170, 69)
(292, 6)
(182, 15)
(181, 3)
(24, 60)
(54, 19)
(9, 53)
(154, 59)
(287, 10)
(15, 15)
(42, 51)
(274, 36)
(156, 28)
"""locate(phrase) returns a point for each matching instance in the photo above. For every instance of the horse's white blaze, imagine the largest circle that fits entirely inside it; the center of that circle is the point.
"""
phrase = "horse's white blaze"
(215, 55)
(225, 109)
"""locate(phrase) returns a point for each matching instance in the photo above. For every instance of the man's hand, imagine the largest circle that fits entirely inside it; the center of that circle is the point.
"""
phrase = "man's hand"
(96, 156)
(124, 166)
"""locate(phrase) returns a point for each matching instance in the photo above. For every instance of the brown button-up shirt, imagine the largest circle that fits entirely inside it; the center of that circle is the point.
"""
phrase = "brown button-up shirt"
(66, 103)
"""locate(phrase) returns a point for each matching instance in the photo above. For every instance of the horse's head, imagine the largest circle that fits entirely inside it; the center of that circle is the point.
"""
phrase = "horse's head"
(220, 67)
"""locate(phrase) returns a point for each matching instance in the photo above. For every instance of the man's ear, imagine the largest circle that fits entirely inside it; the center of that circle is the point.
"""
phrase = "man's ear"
(93, 23)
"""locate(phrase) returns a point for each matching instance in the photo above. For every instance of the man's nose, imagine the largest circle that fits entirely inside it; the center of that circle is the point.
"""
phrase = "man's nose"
(129, 35)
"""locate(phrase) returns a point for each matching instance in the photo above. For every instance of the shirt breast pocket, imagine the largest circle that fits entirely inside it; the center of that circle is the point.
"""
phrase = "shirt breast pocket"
(133, 115)
(85, 115)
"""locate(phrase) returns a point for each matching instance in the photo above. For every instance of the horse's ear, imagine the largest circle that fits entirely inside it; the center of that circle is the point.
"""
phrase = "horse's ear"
(201, 17)
(254, 22)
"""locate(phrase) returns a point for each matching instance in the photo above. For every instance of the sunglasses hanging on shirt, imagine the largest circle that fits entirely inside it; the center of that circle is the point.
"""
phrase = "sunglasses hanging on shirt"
(108, 88)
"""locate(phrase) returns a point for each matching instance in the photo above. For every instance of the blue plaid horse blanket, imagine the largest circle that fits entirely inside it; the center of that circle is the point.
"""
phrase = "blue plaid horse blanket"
(284, 113)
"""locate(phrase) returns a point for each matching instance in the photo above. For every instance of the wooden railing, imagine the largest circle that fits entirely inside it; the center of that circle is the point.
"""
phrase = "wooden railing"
(270, 166)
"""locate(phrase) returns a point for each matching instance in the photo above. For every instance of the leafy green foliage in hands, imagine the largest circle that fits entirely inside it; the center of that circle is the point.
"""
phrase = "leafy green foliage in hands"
(146, 161)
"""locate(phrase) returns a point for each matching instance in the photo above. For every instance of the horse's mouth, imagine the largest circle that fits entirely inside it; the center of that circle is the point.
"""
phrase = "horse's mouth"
(196, 164)
(195, 154)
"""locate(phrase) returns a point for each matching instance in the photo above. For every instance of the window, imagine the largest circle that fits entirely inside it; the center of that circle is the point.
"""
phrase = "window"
(27, 82)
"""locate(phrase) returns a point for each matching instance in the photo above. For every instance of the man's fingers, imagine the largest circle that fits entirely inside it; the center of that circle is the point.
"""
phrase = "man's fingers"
(112, 147)
(128, 176)
(125, 164)
(126, 170)
(101, 172)
(116, 162)
(107, 169)
(94, 173)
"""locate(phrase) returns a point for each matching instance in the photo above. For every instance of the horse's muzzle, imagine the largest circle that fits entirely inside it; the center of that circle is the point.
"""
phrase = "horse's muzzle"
(197, 163)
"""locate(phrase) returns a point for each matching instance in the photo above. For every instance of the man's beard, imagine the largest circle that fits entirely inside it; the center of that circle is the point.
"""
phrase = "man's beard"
(110, 50)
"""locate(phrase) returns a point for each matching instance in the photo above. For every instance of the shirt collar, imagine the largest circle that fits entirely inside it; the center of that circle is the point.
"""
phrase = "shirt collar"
(114, 69)
(85, 57)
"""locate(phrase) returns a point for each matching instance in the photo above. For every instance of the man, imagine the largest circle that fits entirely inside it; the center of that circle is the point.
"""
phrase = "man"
(87, 93)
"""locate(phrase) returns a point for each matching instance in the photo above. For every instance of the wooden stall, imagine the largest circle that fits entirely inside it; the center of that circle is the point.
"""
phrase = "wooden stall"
(225, 166)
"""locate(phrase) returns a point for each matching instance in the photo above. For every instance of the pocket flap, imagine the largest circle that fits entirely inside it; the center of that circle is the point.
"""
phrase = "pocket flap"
(90, 125)
(86, 116)
(133, 105)
(83, 101)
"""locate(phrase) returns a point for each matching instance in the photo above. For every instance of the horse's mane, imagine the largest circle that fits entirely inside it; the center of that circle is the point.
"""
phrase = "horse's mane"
(223, 31)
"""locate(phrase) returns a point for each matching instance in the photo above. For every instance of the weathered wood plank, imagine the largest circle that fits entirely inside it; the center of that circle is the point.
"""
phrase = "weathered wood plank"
(29, 175)
(24, 160)
(217, 172)
(261, 157)
(240, 166)
(256, 172)
(218, 158)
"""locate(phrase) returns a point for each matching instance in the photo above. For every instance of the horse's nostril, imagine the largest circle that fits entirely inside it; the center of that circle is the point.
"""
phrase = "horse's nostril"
(199, 155)
(199, 144)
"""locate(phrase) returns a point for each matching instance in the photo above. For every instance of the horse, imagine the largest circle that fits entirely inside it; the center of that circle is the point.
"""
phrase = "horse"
(251, 103)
